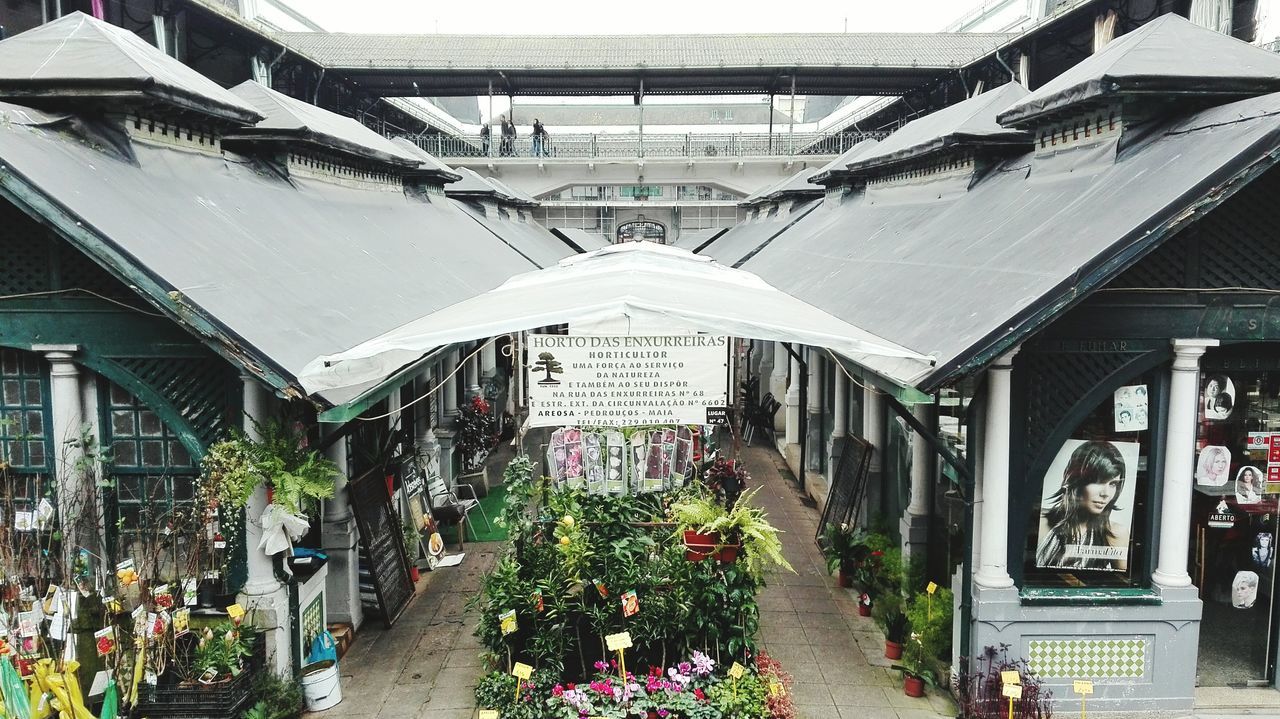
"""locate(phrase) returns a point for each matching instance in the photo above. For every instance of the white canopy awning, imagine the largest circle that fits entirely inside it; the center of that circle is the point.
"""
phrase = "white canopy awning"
(640, 285)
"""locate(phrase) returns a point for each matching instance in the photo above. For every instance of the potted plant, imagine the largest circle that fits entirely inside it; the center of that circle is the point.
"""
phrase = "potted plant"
(716, 531)
(890, 617)
(475, 439)
(916, 668)
(727, 478)
(411, 548)
(846, 550)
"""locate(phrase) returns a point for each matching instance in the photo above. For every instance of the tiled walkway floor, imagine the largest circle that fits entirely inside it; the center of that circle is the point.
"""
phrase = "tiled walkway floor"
(813, 627)
(428, 665)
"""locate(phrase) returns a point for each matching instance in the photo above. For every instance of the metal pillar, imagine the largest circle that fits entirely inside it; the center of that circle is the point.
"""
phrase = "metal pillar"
(791, 132)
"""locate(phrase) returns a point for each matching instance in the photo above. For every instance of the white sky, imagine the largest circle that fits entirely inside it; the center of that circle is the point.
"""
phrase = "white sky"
(543, 17)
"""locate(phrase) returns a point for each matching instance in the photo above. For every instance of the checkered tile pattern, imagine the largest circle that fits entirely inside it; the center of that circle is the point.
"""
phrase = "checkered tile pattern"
(1089, 658)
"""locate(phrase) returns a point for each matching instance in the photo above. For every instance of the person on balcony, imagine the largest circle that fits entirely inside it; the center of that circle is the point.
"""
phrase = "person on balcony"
(540, 140)
(484, 139)
(507, 148)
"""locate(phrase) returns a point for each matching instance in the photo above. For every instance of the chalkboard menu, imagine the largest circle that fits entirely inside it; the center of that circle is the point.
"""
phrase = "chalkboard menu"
(380, 538)
(849, 484)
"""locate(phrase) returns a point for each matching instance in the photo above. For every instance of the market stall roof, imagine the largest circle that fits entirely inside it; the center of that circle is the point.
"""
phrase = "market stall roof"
(78, 58)
(748, 236)
(430, 163)
(279, 270)
(841, 162)
(694, 240)
(297, 121)
(472, 185)
(1154, 60)
(583, 240)
(527, 237)
(965, 277)
(970, 122)
(796, 185)
(636, 282)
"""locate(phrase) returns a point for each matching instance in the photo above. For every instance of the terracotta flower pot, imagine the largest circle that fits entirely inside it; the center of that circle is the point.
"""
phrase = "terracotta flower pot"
(414, 574)
(728, 554)
(699, 546)
(864, 609)
(892, 650)
(912, 686)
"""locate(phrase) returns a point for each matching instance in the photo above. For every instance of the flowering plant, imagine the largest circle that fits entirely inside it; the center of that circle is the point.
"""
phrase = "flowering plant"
(475, 433)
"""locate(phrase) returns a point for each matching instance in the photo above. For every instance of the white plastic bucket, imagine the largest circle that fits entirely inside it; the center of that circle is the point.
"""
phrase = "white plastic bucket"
(320, 685)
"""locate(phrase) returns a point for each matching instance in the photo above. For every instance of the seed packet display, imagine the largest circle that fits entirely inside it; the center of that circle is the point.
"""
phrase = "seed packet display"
(668, 457)
(683, 465)
(573, 473)
(615, 482)
(593, 463)
(556, 456)
(654, 477)
(639, 460)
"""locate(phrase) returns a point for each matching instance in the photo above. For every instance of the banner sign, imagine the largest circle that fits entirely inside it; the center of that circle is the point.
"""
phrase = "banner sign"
(625, 380)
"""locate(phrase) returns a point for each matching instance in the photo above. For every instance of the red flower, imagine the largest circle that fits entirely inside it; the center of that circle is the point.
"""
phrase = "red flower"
(700, 695)
(105, 645)
(164, 601)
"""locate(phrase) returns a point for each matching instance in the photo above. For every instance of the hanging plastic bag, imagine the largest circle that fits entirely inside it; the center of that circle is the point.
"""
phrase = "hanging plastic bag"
(17, 703)
(280, 529)
(323, 648)
(110, 701)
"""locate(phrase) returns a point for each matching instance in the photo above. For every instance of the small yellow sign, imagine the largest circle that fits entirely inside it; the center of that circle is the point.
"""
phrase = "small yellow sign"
(1013, 691)
(931, 588)
(776, 689)
(737, 670)
(487, 714)
(619, 641)
(1010, 677)
(522, 671)
(236, 612)
(1083, 686)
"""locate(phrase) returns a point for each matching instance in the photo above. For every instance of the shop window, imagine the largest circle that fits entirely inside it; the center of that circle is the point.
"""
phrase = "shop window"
(153, 472)
(25, 439)
(1088, 500)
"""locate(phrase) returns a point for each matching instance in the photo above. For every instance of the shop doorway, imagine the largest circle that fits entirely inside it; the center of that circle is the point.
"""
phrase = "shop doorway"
(1236, 517)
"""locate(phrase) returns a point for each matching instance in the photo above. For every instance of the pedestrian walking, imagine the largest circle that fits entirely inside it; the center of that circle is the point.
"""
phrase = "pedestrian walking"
(540, 147)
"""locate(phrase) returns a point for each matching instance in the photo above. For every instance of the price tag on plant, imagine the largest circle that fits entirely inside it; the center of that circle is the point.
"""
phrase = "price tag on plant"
(236, 612)
(487, 714)
(630, 603)
(737, 670)
(619, 641)
(507, 622)
(1010, 677)
(1013, 691)
(931, 588)
(522, 671)
(1083, 686)
(776, 689)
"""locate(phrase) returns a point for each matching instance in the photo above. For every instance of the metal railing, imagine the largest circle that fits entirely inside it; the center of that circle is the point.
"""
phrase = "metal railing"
(618, 146)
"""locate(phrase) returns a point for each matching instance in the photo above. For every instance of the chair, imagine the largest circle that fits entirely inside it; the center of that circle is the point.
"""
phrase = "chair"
(447, 508)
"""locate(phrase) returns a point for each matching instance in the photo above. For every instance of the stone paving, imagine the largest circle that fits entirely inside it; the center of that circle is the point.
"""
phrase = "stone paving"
(812, 626)
(428, 665)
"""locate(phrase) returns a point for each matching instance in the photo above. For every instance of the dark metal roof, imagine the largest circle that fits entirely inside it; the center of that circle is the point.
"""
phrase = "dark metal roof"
(744, 238)
(301, 122)
(78, 58)
(965, 277)
(288, 269)
(797, 185)
(1169, 56)
(838, 166)
(970, 122)
(694, 240)
(825, 64)
(473, 186)
(583, 240)
(431, 165)
(528, 238)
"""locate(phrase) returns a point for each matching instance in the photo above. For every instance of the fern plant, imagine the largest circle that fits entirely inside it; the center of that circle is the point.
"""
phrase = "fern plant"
(761, 546)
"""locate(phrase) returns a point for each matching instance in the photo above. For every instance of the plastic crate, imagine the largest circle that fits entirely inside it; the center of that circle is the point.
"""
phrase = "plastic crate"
(222, 700)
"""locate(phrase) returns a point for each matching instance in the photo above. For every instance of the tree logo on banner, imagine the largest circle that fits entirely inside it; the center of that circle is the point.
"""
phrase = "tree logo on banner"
(548, 363)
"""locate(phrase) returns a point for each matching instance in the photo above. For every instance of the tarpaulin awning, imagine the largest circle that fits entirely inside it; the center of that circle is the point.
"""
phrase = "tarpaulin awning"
(639, 282)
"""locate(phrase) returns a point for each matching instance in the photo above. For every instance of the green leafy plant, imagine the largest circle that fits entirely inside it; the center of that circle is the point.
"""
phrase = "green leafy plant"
(220, 652)
(931, 621)
(228, 467)
(746, 523)
(233, 468)
(476, 432)
(845, 548)
(275, 697)
(888, 614)
(915, 662)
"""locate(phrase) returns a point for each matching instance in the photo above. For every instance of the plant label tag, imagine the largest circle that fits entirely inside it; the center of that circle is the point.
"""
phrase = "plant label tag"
(537, 600)
(737, 670)
(522, 671)
(931, 588)
(507, 622)
(1083, 686)
(1010, 677)
(487, 714)
(776, 689)
(630, 603)
(1013, 691)
(236, 612)
(619, 641)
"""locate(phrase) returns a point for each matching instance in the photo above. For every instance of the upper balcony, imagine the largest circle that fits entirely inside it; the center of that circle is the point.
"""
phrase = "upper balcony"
(624, 147)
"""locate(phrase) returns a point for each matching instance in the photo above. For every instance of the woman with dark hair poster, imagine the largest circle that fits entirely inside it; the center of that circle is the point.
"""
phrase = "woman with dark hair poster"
(1219, 396)
(1086, 507)
(1249, 485)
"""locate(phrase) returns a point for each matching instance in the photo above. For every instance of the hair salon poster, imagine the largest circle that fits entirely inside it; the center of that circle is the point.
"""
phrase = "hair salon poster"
(1086, 506)
(627, 380)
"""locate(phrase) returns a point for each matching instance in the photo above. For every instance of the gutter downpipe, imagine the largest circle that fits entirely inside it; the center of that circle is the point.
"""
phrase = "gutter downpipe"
(1013, 77)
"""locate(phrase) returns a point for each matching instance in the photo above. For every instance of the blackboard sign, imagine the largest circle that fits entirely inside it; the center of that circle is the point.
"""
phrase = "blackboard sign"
(380, 537)
(849, 484)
